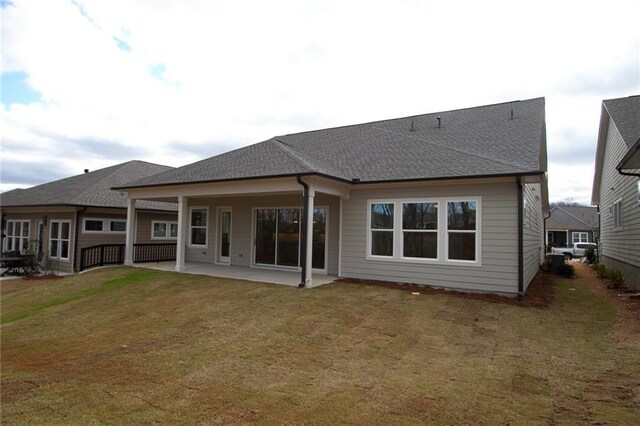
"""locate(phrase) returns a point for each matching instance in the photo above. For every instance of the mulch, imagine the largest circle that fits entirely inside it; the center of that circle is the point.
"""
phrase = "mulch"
(539, 293)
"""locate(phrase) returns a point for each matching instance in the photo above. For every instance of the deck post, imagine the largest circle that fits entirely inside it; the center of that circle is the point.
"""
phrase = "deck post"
(309, 251)
(131, 226)
(182, 233)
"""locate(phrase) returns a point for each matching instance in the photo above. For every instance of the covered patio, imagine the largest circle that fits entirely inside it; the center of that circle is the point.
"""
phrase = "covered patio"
(263, 275)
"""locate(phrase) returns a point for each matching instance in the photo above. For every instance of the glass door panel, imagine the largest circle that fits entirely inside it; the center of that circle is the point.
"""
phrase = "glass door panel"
(225, 235)
(319, 236)
(288, 237)
(265, 236)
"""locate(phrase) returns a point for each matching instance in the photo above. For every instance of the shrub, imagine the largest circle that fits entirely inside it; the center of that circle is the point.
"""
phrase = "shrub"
(590, 254)
(616, 278)
(601, 270)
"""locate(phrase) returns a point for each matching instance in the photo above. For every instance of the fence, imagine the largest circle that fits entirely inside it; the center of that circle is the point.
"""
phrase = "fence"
(113, 254)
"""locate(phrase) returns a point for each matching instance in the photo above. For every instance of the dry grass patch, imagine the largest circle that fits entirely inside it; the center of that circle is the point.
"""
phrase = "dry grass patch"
(128, 345)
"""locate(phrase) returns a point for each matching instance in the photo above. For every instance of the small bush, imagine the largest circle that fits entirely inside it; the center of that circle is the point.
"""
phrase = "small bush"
(590, 254)
(616, 278)
(601, 270)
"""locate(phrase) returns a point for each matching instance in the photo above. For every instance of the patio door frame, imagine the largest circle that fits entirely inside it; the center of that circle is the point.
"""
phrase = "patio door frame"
(290, 268)
(223, 260)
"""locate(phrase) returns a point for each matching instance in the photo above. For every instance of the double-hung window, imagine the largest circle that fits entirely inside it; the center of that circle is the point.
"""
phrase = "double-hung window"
(198, 226)
(161, 230)
(17, 236)
(461, 230)
(59, 232)
(420, 230)
(617, 214)
(382, 225)
(579, 237)
(433, 230)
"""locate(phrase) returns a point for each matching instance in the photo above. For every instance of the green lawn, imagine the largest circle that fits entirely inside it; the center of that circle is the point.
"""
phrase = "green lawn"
(129, 345)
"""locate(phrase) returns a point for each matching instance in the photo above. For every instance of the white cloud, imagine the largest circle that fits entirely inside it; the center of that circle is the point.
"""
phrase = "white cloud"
(236, 73)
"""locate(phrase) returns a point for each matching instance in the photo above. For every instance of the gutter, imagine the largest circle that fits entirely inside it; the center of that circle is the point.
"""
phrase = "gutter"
(619, 169)
(520, 238)
(303, 233)
(75, 238)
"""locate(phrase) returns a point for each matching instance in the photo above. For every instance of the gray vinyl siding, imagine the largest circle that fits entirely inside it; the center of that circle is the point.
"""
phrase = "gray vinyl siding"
(498, 271)
(143, 226)
(623, 244)
(242, 226)
(533, 233)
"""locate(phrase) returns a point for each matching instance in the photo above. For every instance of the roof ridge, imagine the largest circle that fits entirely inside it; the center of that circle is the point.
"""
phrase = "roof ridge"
(412, 116)
(288, 149)
(117, 167)
(575, 217)
(459, 151)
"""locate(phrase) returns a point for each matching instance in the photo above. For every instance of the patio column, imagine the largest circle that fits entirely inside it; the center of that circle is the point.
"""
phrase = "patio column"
(131, 227)
(309, 249)
(182, 233)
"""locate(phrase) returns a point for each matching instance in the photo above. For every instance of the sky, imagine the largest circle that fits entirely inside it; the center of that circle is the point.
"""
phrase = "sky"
(86, 84)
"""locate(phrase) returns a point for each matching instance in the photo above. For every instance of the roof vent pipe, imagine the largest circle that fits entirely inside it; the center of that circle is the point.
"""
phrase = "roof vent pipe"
(512, 114)
(412, 128)
(439, 122)
(86, 170)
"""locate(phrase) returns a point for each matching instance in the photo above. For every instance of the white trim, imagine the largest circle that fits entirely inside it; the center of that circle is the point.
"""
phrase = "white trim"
(617, 212)
(218, 235)
(59, 239)
(206, 227)
(23, 241)
(443, 231)
(106, 225)
(167, 234)
(580, 234)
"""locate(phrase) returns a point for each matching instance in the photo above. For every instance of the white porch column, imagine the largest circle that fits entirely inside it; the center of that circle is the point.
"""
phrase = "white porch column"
(183, 231)
(131, 228)
(309, 249)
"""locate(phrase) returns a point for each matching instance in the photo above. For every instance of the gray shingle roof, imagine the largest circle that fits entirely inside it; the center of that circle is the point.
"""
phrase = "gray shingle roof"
(625, 113)
(573, 217)
(480, 141)
(91, 189)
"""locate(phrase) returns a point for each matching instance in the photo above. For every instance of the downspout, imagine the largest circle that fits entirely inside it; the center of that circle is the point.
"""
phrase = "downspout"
(544, 230)
(599, 233)
(303, 224)
(75, 239)
(520, 238)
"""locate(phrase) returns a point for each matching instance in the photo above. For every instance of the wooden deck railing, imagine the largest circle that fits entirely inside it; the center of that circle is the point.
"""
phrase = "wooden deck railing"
(113, 254)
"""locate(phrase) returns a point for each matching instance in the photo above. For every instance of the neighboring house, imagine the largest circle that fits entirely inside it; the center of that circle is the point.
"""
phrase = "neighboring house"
(61, 217)
(571, 224)
(454, 199)
(616, 187)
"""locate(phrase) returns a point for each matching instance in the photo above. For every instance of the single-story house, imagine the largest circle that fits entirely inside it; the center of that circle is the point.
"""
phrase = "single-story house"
(61, 218)
(616, 186)
(452, 199)
(571, 224)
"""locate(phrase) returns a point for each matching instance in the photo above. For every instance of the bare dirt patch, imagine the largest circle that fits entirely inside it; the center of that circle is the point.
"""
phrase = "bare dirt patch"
(539, 293)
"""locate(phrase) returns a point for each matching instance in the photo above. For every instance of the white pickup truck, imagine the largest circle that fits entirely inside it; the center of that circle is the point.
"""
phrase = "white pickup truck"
(577, 250)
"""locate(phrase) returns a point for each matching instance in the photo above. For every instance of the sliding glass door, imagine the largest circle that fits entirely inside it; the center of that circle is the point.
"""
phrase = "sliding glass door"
(277, 240)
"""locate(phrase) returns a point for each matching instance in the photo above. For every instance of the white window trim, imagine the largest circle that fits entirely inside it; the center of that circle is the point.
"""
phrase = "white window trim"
(70, 252)
(616, 213)
(106, 225)
(206, 227)
(580, 235)
(443, 232)
(168, 224)
(19, 237)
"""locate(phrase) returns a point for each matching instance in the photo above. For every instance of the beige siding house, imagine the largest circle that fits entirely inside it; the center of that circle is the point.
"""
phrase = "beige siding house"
(60, 218)
(616, 187)
(452, 199)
